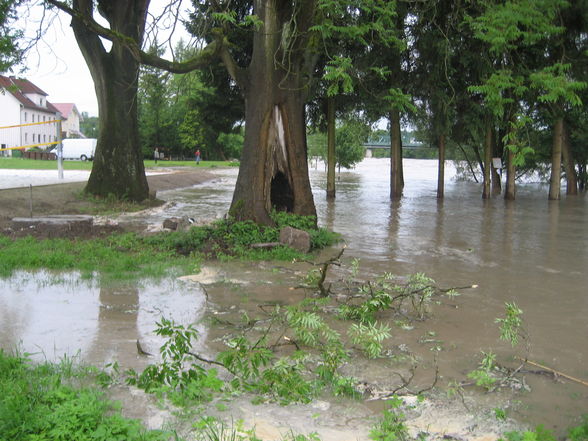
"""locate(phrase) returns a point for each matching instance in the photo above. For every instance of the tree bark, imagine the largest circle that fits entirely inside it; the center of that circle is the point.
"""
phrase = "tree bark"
(274, 168)
(510, 192)
(486, 193)
(118, 161)
(555, 180)
(497, 152)
(581, 177)
(570, 166)
(396, 172)
(330, 148)
(441, 171)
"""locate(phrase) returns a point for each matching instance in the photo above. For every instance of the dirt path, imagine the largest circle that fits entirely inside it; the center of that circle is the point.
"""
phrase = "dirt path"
(67, 199)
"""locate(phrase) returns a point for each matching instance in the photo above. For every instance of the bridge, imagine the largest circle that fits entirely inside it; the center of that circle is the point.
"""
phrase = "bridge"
(383, 143)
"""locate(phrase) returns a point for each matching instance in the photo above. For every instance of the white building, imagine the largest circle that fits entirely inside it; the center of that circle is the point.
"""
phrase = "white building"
(71, 117)
(23, 103)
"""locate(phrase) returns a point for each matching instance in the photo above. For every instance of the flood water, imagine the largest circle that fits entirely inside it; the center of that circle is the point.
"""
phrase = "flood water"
(531, 251)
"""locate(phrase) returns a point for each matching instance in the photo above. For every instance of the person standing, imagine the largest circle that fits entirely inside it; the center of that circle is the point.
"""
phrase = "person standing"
(156, 155)
(197, 156)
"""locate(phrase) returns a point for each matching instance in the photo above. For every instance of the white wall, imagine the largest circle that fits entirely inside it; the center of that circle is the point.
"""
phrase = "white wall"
(71, 124)
(38, 133)
(9, 116)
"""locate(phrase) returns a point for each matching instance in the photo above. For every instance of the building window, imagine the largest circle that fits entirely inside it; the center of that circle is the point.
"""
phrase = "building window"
(26, 137)
(25, 116)
(33, 116)
(44, 138)
(43, 118)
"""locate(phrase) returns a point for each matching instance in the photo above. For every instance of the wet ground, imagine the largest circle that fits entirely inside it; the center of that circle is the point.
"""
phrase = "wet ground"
(532, 251)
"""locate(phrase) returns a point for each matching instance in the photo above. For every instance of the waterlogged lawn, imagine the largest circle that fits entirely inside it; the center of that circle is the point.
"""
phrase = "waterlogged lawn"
(40, 403)
(130, 255)
(32, 164)
(118, 257)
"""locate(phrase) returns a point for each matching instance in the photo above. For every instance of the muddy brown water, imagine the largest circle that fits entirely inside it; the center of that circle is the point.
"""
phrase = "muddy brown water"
(530, 251)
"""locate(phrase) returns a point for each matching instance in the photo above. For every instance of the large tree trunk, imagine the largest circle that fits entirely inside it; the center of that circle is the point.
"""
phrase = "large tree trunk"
(331, 148)
(486, 193)
(118, 162)
(441, 171)
(568, 159)
(555, 180)
(274, 168)
(396, 172)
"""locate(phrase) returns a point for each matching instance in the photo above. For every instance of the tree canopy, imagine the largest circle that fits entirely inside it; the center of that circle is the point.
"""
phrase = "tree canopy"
(10, 52)
(489, 76)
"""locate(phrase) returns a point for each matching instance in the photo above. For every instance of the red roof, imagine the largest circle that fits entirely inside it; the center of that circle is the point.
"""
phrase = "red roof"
(65, 108)
(27, 87)
(17, 88)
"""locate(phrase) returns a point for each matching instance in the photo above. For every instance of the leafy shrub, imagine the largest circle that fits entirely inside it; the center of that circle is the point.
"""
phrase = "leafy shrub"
(392, 426)
(539, 434)
(37, 404)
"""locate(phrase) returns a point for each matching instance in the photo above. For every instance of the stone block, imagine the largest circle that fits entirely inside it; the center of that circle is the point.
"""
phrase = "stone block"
(294, 238)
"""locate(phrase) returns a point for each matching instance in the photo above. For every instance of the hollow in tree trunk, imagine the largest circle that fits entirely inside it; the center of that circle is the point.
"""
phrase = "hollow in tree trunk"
(274, 169)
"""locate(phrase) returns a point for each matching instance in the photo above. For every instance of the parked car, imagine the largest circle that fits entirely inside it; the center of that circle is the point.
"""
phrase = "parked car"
(82, 148)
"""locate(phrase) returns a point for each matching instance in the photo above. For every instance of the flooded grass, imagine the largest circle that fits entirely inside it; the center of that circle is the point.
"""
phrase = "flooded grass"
(124, 256)
(131, 255)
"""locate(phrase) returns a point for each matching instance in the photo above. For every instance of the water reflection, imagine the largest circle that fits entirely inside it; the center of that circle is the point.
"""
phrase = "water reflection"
(53, 317)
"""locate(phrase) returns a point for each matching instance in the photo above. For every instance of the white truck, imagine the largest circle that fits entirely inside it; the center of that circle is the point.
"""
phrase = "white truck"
(82, 148)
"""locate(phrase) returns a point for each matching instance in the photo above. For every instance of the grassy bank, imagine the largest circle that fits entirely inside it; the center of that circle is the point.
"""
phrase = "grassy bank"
(32, 164)
(131, 255)
(39, 402)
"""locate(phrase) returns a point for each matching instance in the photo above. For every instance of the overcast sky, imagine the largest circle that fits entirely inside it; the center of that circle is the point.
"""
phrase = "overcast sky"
(56, 64)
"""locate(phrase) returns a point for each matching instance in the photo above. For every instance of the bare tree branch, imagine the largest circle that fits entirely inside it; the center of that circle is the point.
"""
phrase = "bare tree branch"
(202, 59)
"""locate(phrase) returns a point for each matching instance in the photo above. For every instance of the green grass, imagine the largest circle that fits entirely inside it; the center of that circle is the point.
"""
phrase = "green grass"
(40, 403)
(203, 164)
(130, 255)
(121, 256)
(113, 205)
(33, 164)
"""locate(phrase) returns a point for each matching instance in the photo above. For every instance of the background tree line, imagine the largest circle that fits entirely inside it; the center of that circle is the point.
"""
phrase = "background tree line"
(489, 78)
(473, 78)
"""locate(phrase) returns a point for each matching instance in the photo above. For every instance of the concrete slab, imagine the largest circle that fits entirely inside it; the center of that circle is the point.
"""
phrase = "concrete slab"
(64, 219)
(55, 226)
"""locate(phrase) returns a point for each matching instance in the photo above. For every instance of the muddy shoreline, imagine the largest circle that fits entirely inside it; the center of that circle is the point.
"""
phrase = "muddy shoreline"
(62, 199)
